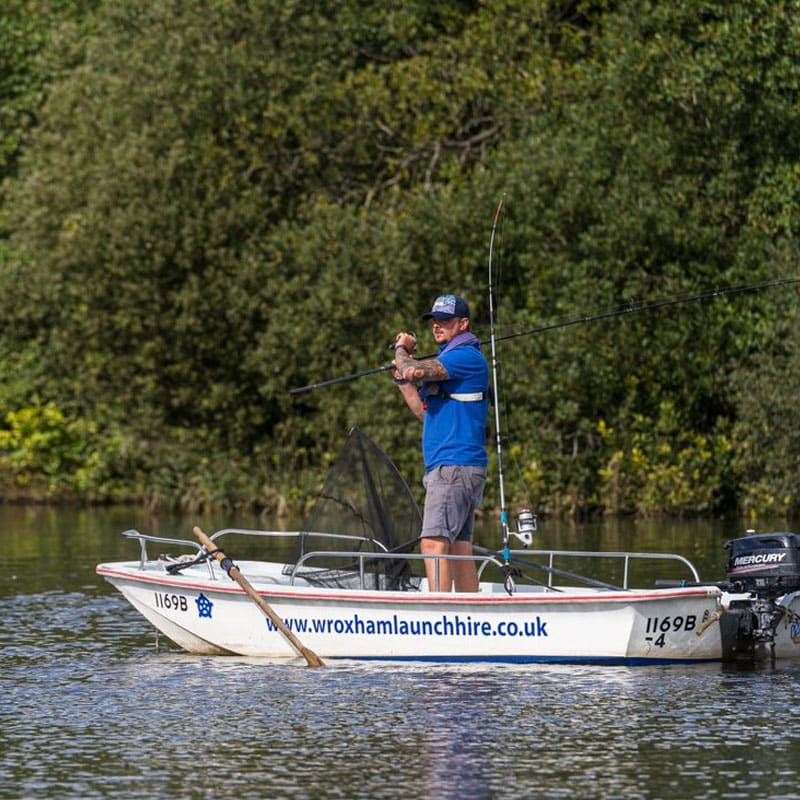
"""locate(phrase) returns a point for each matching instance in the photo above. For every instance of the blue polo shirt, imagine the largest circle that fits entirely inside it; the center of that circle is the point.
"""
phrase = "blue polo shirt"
(454, 431)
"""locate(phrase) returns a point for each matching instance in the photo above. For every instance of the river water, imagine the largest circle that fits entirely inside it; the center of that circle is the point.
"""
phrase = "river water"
(92, 708)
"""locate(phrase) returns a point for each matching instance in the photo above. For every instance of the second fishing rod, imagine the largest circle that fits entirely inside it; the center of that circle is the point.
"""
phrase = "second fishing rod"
(620, 311)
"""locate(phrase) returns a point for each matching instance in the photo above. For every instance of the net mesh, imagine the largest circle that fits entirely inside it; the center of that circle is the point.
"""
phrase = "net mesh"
(367, 506)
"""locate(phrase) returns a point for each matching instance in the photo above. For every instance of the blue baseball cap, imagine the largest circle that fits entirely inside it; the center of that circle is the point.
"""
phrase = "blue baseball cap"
(448, 306)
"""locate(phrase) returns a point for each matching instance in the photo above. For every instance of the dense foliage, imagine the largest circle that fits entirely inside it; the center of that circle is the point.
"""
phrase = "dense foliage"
(207, 204)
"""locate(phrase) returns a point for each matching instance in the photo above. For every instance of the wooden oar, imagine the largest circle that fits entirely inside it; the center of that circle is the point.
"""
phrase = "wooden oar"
(312, 659)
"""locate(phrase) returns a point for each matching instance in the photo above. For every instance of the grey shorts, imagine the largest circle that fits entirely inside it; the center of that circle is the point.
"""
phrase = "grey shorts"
(452, 496)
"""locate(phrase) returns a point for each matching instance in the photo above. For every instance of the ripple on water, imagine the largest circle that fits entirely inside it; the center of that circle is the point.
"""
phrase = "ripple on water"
(95, 710)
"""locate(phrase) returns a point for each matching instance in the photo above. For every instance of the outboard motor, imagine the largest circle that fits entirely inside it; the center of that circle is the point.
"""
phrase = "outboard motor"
(765, 566)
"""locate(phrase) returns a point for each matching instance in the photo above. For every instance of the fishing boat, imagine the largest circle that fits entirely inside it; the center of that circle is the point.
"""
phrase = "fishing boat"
(353, 587)
(355, 593)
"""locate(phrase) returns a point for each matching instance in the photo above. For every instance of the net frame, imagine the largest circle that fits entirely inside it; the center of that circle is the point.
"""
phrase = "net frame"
(368, 505)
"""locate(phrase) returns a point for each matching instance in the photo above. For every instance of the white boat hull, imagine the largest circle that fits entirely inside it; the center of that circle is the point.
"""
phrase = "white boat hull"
(209, 615)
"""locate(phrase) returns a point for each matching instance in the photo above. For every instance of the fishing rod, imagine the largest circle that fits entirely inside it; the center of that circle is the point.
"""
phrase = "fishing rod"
(637, 308)
(509, 583)
(621, 311)
(558, 573)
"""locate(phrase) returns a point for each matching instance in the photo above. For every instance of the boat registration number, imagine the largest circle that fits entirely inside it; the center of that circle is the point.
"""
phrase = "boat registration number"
(176, 602)
(668, 624)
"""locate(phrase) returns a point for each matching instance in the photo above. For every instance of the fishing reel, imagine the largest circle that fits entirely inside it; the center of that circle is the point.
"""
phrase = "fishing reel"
(526, 527)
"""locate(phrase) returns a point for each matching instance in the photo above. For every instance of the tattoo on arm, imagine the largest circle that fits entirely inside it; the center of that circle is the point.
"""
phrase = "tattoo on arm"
(413, 370)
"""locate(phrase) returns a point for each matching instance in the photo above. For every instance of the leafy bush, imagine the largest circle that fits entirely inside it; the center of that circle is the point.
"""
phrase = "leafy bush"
(45, 455)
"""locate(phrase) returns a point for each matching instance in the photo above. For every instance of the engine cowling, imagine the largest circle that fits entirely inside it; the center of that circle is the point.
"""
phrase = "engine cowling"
(767, 565)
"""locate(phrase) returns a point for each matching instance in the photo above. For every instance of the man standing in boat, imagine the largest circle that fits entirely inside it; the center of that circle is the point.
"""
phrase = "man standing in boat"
(450, 396)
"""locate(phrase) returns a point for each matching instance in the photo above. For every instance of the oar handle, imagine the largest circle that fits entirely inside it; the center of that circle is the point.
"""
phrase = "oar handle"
(312, 659)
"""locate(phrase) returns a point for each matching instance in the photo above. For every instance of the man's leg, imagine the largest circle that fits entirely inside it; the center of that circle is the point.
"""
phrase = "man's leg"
(465, 573)
(437, 546)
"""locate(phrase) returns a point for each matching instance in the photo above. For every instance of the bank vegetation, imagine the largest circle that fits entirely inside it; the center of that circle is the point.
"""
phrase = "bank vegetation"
(207, 204)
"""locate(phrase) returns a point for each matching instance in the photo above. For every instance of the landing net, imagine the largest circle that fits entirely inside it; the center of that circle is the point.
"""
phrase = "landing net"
(369, 508)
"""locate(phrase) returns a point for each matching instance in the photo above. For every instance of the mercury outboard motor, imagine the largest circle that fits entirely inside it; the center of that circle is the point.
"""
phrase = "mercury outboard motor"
(765, 566)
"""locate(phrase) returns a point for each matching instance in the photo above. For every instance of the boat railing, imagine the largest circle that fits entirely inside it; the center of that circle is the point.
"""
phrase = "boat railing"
(298, 534)
(144, 538)
(495, 559)
(626, 557)
(361, 556)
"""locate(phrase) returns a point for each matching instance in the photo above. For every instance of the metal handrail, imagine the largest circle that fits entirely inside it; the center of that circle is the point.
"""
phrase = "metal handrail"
(143, 538)
(485, 560)
(626, 556)
(481, 559)
(298, 534)
(361, 556)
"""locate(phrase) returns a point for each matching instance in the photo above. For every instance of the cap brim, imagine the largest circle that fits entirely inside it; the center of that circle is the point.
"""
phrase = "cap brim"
(441, 317)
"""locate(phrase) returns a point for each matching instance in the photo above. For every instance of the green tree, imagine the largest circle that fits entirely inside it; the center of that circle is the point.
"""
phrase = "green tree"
(186, 183)
(651, 184)
(223, 200)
